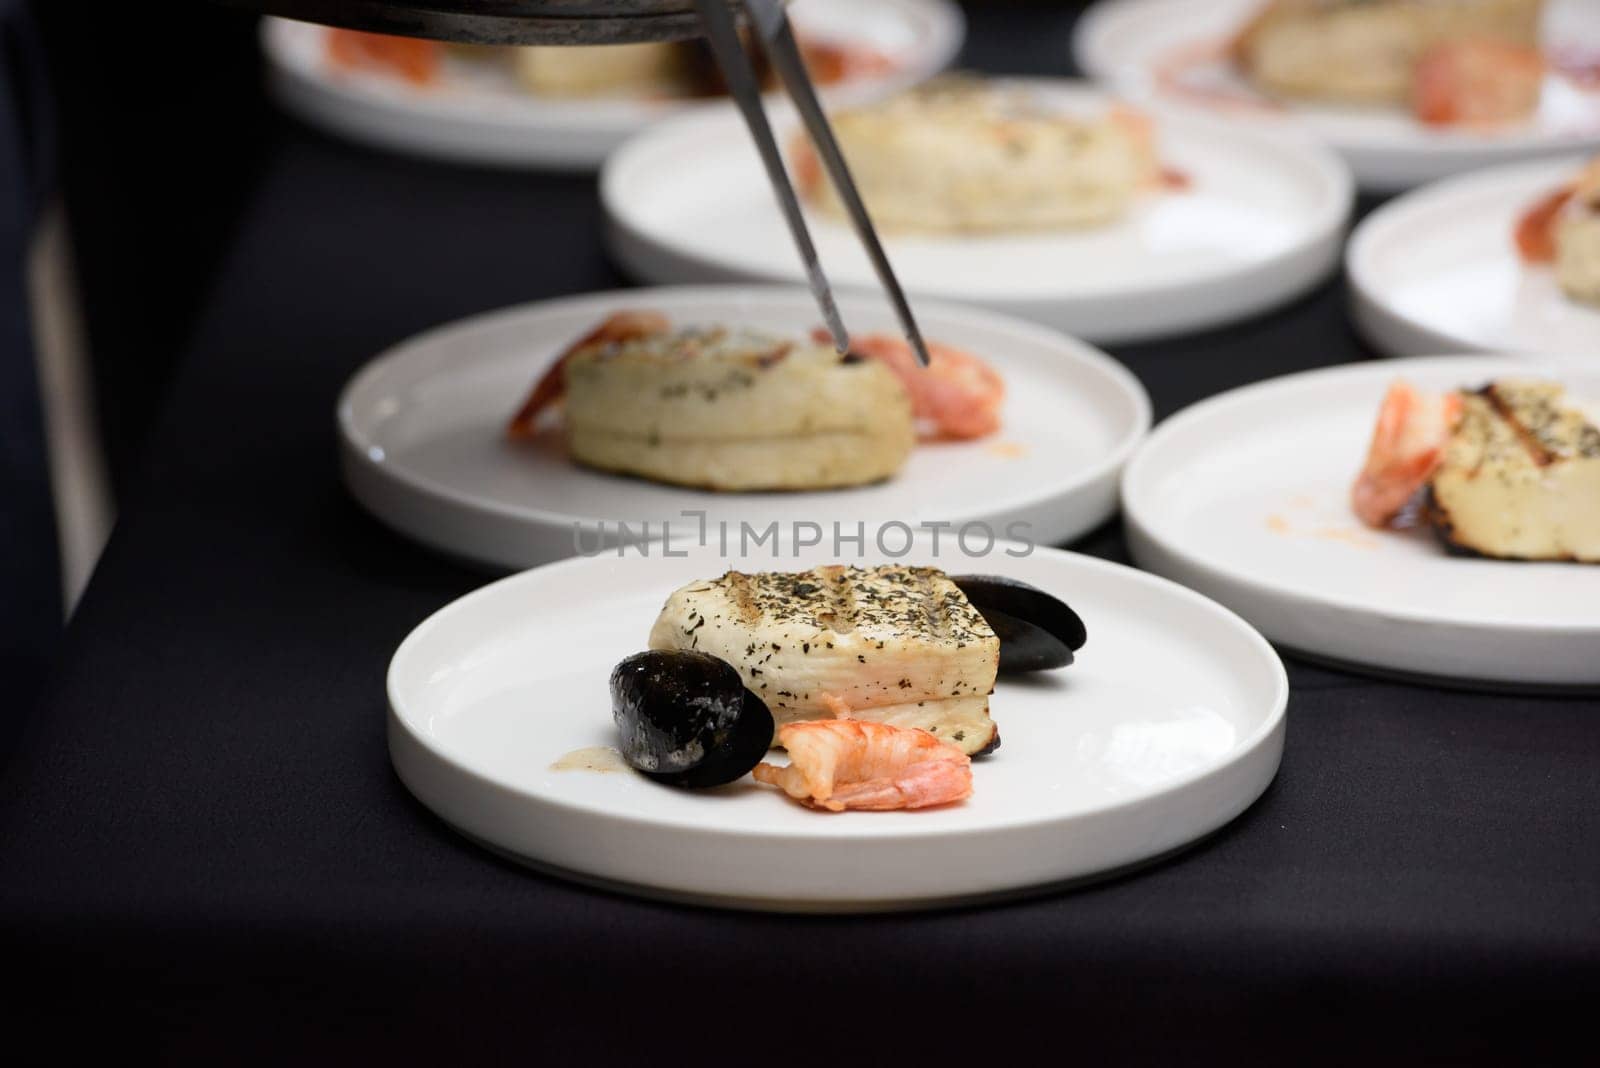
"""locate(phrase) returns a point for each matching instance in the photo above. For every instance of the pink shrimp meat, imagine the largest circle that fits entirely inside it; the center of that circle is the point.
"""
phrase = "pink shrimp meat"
(840, 764)
(411, 58)
(956, 396)
(1477, 82)
(1407, 447)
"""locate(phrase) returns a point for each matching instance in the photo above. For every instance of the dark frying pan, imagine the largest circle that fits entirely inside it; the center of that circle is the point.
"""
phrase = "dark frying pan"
(499, 21)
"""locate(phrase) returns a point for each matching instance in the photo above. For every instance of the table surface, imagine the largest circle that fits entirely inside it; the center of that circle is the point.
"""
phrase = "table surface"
(201, 836)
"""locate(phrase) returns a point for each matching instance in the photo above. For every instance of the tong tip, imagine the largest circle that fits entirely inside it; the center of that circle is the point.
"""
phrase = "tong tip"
(830, 308)
(772, 25)
(918, 346)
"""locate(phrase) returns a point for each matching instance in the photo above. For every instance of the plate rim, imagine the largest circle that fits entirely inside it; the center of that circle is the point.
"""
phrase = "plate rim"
(356, 447)
(1272, 723)
(864, 907)
(1134, 510)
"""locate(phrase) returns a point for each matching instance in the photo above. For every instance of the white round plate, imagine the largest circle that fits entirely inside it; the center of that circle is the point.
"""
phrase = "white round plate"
(1244, 497)
(1103, 765)
(424, 448)
(479, 114)
(689, 202)
(1437, 270)
(1128, 43)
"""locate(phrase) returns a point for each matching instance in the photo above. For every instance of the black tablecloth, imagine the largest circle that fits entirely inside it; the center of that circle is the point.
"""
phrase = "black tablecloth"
(204, 852)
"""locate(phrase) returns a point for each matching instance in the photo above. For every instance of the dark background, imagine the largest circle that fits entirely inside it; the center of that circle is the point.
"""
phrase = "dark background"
(161, 128)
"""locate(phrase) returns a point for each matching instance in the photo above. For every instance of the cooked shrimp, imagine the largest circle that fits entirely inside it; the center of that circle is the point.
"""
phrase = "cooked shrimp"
(1406, 449)
(831, 62)
(839, 764)
(1141, 131)
(552, 385)
(1536, 226)
(955, 396)
(1477, 82)
(414, 59)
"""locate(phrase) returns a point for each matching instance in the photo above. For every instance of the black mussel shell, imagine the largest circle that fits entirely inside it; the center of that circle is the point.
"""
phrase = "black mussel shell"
(1025, 647)
(687, 719)
(1037, 631)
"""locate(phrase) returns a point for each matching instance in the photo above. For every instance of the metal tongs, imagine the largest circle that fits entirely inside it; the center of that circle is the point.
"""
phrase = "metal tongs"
(771, 28)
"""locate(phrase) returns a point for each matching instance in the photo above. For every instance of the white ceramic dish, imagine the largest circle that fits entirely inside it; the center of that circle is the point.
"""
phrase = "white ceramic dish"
(1169, 725)
(1437, 271)
(1127, 43)
(688, 202)
(1244, 497)
(478, 114)
(424, 446)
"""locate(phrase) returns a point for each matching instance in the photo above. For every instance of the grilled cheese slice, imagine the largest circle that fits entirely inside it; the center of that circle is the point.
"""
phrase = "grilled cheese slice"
(963, 157)
(1520, 478)
(1367, 51)
(892, 644)
(735, 410)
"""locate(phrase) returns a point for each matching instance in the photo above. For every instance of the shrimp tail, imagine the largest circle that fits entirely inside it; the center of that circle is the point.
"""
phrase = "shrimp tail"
(621, 327)
(1407, 447)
